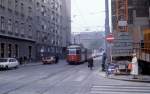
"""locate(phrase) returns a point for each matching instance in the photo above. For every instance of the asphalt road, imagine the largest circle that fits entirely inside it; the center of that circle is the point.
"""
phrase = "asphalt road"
(62, 78)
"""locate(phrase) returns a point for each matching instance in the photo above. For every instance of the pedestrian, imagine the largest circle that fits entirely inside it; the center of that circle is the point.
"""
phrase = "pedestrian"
(103, 61)
(134, 70)
(56, 59)
(21, 60)
(90, 63)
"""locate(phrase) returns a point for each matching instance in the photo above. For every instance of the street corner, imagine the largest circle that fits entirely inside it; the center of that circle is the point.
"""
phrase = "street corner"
(140, 78)
(101, 73)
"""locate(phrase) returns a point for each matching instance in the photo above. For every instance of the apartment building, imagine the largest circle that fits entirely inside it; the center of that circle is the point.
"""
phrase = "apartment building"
(33, 28)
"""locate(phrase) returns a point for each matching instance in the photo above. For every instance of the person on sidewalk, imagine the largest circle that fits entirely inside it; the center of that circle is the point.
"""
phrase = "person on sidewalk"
(134, 70)
(103, 61)
(90, 63)
(56, 59)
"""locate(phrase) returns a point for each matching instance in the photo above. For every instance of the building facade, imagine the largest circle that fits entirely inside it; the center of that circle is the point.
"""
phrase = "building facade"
(33, 28)
(138, 17)
(138, 23)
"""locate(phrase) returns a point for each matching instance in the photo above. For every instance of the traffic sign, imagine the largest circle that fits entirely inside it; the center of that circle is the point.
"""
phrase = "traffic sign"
(110, 38)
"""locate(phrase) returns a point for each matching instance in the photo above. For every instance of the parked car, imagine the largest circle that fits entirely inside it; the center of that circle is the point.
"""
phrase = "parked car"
(48, 60)
(9, 63)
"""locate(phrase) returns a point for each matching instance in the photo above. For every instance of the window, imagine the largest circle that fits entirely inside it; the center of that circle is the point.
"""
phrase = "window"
(44, 27)
(30, 30)
(22, 29)
(37, 4)
(16, 3)
(71, 51)
(42, 8)
(9, 50)
(29, 9)
(142, 8)
(2, 23)
(22, 7)
(16, 26)
(9, 25)
(16, 50)
(12, 60)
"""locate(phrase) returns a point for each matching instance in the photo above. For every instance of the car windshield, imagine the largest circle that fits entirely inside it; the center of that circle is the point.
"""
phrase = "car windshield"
(3, 60)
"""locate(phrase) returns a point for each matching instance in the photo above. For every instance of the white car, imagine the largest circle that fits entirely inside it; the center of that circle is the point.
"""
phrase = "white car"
(8, 63)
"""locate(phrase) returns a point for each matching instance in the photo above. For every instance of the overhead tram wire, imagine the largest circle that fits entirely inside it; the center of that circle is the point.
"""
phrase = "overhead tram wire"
(85, 27)
(83, 19)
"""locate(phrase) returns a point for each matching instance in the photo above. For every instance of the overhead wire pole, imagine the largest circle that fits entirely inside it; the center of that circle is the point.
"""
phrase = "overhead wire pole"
(107, 28)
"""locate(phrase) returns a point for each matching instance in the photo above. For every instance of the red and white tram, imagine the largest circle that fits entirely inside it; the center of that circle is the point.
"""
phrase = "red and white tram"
(76, 54)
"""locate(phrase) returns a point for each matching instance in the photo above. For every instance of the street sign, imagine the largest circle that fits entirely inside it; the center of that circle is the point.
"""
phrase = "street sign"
(110, 38)
(122, 23)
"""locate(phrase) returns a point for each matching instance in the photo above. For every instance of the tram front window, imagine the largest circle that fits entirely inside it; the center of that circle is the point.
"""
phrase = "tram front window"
(72, 52)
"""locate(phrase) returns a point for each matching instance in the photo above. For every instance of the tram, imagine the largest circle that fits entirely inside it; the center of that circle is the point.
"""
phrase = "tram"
(76, 54)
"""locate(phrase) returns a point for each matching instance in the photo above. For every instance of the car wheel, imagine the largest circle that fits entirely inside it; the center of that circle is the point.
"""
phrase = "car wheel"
(16, 67)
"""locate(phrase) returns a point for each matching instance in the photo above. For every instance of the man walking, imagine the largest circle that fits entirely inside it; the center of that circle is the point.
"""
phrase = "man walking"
(90, 63)
(103, 61)
(56, 59)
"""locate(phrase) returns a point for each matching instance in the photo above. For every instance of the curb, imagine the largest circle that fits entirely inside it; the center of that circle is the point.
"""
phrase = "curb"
(130, 80)
(35, 63)
(102, 74)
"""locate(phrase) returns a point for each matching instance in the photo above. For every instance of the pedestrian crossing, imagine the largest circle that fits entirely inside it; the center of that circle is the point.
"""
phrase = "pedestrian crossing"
(119, 89)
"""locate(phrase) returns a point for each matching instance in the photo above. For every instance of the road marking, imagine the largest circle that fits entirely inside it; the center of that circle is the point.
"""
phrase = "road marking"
(119, 89)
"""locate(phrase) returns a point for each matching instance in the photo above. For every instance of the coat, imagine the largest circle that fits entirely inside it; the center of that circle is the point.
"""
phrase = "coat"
(104, 58)
(90, 62)
(134, 70)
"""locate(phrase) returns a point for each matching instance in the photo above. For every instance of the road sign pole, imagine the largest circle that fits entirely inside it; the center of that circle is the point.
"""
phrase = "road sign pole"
(110, 39)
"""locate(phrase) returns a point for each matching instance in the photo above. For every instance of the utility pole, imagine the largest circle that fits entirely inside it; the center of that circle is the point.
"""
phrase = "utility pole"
(107, 28)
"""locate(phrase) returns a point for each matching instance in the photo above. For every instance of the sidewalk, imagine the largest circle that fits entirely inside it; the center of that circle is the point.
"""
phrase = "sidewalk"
(36, 63)
(141, 78)
(31, 64)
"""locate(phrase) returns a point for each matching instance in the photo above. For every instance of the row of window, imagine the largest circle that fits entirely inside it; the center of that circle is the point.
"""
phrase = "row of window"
(23, 25)
(18, 6)
(12, 50)
(50, 49)
(15, 26)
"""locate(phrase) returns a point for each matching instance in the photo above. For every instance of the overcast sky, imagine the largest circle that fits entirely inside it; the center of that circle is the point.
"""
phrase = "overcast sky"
(88, 15)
